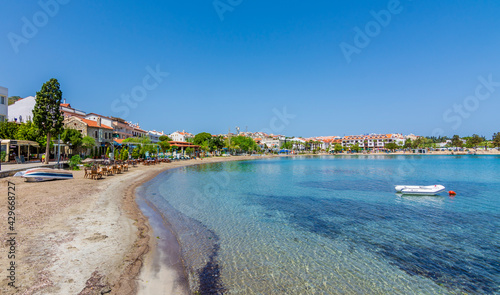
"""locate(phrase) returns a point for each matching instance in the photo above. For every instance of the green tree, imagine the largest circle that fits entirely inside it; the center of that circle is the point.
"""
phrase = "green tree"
(135, 153)
(88, 142)
(72, 137)
(337, 148)
(202, 137)
(8, 130)
(164, 145)
(13, 99)
(124, 154)
(28, 131)
(244, 143)
(391, 146)
(165, 138)
(189, 150)
(46, 113)
(287, 145)
(456, 141)
(496, 139)
(356, 148)
(474, 141)
(216, 143)
(420, 142)
(408, 144)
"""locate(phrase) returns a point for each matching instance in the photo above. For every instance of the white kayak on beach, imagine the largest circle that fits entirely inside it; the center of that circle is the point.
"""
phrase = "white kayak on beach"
(420, 190)
(44, 174)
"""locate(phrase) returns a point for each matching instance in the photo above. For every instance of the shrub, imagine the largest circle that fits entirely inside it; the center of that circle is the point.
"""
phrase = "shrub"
(74, 161)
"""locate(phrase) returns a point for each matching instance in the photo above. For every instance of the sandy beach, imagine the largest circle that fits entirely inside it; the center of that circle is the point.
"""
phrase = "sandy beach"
(83, 236)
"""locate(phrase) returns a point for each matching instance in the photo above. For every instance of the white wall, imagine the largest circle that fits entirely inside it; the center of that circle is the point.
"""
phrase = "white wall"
(176, 136)
(24, 108)
(104, 121)
(4, 110)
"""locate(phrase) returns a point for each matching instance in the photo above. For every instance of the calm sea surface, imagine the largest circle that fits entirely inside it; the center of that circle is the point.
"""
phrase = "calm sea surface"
(333, 225)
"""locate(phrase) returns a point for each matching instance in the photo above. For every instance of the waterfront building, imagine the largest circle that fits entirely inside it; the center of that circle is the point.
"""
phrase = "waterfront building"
(68, 111)
(154, 135)
(4, 104)
(101, 133)
(181, 136)
(372, 141)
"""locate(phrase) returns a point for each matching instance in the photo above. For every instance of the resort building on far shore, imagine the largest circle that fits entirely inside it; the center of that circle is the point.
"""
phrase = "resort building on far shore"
(271, 142)
(4, 104)
(372, 141)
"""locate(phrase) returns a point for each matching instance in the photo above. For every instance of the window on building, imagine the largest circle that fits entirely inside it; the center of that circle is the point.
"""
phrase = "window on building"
(96, 134)
(2, 118)
(2, 99)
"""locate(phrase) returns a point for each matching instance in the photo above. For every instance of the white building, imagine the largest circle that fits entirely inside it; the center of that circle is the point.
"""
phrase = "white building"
(154, 135)
(22, 110)
(4, 104)
(372, 141)
(104, 119)
(180, 136)
(271, 142)
(68, 111)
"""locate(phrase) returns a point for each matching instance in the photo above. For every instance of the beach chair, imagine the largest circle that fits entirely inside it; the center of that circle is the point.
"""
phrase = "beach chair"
(87, 174)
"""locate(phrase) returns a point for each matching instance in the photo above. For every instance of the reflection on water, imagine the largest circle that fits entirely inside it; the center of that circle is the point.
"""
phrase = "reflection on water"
(329, 225)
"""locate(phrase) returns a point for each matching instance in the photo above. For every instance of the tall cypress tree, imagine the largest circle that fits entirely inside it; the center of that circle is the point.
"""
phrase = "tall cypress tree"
(47, 115)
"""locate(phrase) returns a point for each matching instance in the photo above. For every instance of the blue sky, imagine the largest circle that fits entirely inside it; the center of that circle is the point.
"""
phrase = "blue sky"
(420, 68)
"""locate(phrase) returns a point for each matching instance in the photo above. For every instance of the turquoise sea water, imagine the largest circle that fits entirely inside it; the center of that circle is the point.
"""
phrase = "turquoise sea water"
(333, 225)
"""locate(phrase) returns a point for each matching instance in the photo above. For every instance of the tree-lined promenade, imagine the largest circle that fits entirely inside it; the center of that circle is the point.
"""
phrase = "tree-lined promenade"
(47, 126)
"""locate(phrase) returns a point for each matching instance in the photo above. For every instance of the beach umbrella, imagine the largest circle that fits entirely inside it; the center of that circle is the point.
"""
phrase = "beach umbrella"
(88, 160)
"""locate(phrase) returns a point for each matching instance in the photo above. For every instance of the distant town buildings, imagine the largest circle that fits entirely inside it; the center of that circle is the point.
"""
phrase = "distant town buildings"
(106, 130)
(4, 103)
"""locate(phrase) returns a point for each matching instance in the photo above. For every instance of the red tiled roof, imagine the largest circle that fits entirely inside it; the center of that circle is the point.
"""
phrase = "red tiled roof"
(118, 140)
(91, 123)
(66, 105)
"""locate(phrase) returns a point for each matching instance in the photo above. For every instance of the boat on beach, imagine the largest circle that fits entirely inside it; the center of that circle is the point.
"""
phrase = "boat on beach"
(44, 174)
(429, 190)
